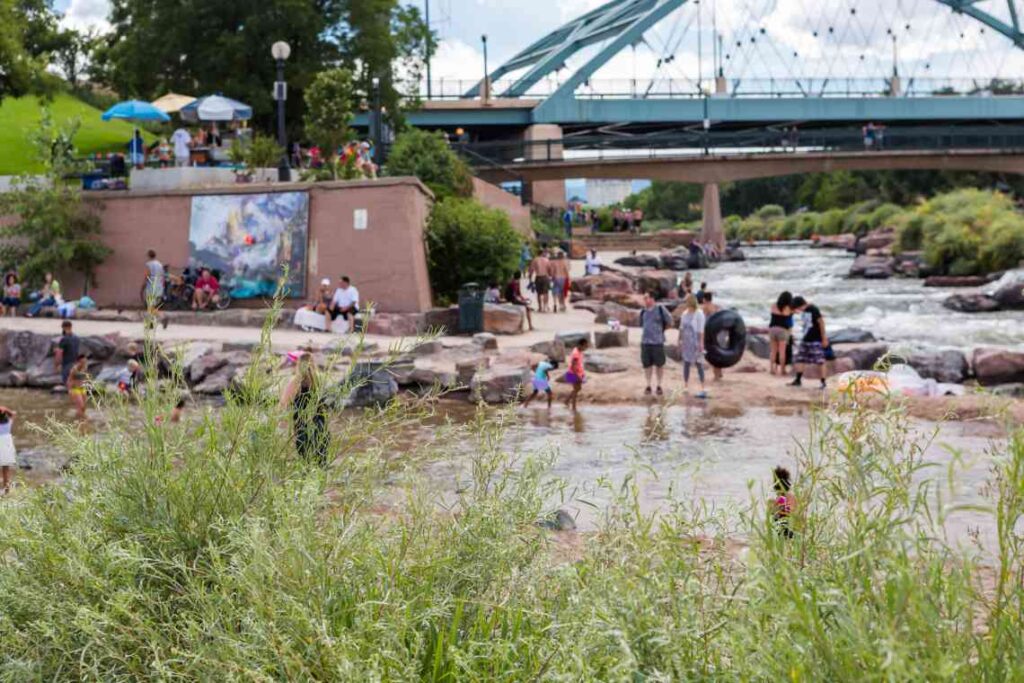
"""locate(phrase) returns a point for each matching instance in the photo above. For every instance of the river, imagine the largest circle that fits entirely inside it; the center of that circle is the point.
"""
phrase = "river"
(900, 311)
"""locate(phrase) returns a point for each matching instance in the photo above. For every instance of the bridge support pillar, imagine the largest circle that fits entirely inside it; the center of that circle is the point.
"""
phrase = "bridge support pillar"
(713, 231)
(544, 143)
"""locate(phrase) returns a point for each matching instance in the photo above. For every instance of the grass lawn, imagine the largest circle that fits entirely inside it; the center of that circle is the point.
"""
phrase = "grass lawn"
(20, 116)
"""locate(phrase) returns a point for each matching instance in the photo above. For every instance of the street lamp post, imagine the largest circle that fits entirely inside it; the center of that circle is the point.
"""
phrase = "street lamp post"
(281, 51)
(377, 124)
(487, 84)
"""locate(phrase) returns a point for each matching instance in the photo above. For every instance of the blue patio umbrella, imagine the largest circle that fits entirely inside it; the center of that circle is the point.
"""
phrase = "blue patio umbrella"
(134, 110)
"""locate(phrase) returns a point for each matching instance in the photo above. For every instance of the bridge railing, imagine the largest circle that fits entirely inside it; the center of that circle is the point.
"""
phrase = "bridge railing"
(509, 153)
(684, 88)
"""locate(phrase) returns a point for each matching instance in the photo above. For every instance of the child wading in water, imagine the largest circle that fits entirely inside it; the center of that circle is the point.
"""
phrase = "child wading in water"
(8, 456)
(782, 505)
(576, 374)
(77, 378)
(542, 380)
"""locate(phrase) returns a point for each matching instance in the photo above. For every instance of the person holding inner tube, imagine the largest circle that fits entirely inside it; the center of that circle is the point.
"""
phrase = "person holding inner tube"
(654, 320)
(709, 307)
(813, 342)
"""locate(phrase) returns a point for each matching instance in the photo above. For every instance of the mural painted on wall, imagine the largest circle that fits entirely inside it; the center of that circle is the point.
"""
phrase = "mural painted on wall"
(250, 239)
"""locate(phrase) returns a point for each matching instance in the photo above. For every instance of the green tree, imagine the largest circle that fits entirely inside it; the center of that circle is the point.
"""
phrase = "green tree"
(428, 156)
(468, 242)
(54, 231)
(329, 102)
(21, 68)
(669, 200)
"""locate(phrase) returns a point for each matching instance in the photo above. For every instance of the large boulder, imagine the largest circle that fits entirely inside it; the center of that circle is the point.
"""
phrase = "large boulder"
(608, 339)
(998, 366)
(591, 305)
(595, 286)
(876, 240)
(601, 364)
(372, 384)
(204, 366)
(465, 370)
(554, 349)
(630, 317)
(22, 350)
(627, 299)
(864, 356)
(570, 339)
(446, 319)
(504, 318)
(217, 382)
(955, 281)
(425, 375)
(1010, 296)
(498, 384)
(674, 260)
(947, 367)
(100, 347)
(486, 341)
(971, 303)
(845, 241)
(873, 267)
(759, 345)
(851, 335)
(395, 324)
(660, 283)
(638, 261)
(733, 253)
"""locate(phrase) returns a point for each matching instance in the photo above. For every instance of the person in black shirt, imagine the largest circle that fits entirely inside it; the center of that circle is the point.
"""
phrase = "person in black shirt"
(67, 351)
(813, 342)
(514, 295)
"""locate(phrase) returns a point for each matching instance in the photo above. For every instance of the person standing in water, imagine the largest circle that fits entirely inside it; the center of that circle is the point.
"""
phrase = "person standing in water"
(542, 380)
(576, 375)
(8, 454)
(782, 504)
(691, 342)
(779, 330)
(78, 377)
(309, 411)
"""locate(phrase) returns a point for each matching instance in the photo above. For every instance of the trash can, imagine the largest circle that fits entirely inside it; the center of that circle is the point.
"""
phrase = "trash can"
(471, 308)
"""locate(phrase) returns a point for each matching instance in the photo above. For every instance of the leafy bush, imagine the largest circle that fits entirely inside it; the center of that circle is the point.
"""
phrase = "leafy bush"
(263, 152)
(329, 103)
(427, 156)
(468, 242)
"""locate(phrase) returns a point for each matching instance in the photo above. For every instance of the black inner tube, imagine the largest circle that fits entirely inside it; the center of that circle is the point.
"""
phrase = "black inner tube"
(725, 339)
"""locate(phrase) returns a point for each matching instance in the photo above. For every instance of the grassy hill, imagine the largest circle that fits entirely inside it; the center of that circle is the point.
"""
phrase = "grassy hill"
(20, 116)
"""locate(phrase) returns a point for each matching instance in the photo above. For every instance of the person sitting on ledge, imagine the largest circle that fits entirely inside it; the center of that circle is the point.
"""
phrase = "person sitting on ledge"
(345, 301)
(324, 296)
(206, 290)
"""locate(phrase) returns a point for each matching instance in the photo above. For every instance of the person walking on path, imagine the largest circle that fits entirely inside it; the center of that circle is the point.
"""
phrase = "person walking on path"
(542, 380)
(709, 307)
(813, 342)
(576, 375)
(154, 287)
(8, 454)
(540, 271)
(779, 330)
(691, 343)
(654, 320)
(309, 411)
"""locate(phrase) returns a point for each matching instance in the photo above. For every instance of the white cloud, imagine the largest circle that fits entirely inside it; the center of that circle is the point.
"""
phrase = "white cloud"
(87, 14)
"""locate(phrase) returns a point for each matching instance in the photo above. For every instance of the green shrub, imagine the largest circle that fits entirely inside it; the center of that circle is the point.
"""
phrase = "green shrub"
(770, 212)
(468, 242)
(428, 156)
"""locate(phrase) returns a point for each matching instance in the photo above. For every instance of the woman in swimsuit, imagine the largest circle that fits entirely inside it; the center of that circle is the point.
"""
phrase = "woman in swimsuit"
(779, 330)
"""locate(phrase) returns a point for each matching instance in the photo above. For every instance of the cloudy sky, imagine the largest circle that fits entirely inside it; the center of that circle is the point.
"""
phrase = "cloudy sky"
(836, 41)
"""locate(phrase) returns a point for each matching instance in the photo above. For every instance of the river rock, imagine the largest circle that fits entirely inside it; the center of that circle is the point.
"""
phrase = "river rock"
(998, 366)
(444, 320)
(22, 350)
(591, 305)
(554, 350)
(607, 339)
(427, 348)
(372, 384)
(845, 241)
(465, 370)
(658, 282)
(602, 365)
(498, 384)
(627, 299)
(1010, 296)
(971, 303)
(873, 267)
(638, 261)
(486, 341)
(13, 379)
(674, 260)
(397, 324)
(955, 281)
(594, 286)
(630, 317)
(759, 345)
(217, 382)
(1015, 390)
(560, 521)
(99, 347)
(947, 367)
(733, 254)
(189, 352)
(570, 339)
(427, 376)
(864, 357)
(204, 366)
(851, 335)
(504, 318)
(880, 240)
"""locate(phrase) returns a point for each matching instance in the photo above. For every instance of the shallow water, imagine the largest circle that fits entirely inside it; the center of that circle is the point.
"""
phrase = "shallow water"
(900, 311)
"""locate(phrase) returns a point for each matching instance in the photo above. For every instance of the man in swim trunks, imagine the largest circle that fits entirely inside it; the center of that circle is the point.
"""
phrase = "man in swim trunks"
(540, 271)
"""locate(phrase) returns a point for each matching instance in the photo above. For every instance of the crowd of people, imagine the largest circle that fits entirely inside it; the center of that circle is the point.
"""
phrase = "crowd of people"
(46, 296)
(359, 154)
